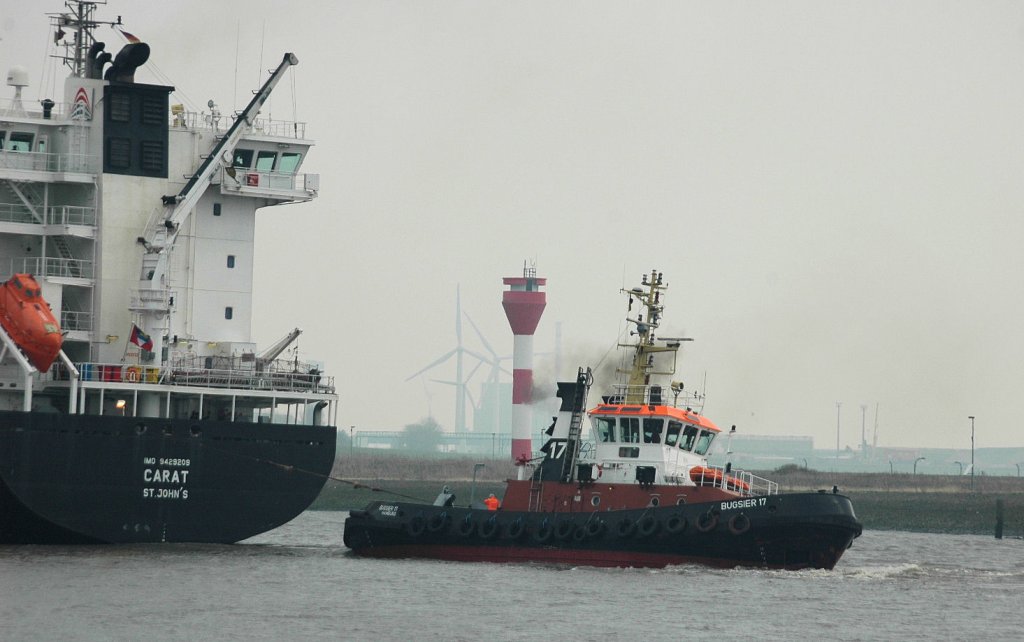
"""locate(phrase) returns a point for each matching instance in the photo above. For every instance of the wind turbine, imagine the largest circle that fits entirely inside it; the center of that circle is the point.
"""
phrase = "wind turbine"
(460, 379)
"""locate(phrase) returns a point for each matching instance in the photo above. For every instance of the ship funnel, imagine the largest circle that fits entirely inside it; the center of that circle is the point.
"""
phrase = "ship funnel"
(130, 58)
(524, 303)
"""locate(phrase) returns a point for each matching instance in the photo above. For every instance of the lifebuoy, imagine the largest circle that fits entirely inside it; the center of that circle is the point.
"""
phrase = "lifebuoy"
(488, 528)
(131, 374)
(564, 529)
(707, 521)
(466, 526)
(515, 528)
(416, 526)
(739, 524)
(626, 527)
(437, 522)
(646, 526)
(675, 524)
(543, 532)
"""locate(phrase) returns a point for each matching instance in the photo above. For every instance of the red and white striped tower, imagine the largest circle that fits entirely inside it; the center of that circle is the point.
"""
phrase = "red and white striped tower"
(524, 303)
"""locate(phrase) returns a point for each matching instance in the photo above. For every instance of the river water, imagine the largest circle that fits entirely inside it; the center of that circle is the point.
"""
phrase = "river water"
(299, 582)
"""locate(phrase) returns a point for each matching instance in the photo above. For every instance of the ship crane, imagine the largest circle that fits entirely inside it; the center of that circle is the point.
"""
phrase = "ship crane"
(271, 353)
(154, 289)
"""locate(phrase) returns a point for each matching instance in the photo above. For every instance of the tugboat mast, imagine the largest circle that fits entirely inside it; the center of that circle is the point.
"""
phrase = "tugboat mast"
(642, 367)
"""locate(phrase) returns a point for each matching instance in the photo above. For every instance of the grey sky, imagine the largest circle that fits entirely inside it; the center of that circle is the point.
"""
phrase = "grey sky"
(833, 191)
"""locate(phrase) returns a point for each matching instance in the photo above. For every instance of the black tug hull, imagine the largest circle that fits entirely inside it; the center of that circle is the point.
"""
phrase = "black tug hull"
(72, 479)
(797, 531)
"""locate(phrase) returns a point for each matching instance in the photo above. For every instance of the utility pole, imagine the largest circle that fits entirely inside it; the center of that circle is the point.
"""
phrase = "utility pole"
(863, 434)
(971, 417)
(839, 404)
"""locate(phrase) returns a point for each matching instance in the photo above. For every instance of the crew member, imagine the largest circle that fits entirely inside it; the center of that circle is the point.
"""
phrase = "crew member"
(492, 502)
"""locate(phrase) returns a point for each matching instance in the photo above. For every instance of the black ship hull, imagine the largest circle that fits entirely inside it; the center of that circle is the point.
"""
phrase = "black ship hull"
(807, 530)
(68, 479)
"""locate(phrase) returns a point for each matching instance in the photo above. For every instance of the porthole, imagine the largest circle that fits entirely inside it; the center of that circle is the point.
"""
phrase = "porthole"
(655, 501)
(595, 500)
(680, 501)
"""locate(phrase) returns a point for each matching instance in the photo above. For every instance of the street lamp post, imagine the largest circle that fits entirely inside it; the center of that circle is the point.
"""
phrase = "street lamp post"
(890, 467)
(915, 463)
(971, 417)
(961, 465)
(351, 439)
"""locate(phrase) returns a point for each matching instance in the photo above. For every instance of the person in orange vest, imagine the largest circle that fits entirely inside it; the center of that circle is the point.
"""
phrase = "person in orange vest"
(493, 503)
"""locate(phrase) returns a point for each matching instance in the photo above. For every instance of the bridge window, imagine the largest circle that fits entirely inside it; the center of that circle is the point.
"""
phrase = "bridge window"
(20, 142)
(629, 451)
(265, 161)
(689, 437)
(605, 429)
(289, 162)
(672, 436)
(652, 430)
(231, 260)
(706, 437)
(229, 312)
(216, 209)
(629, 430)
(243, 158)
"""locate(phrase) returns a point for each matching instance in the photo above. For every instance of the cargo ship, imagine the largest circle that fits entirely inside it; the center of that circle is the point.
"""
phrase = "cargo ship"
(645, 494)
(135, 405)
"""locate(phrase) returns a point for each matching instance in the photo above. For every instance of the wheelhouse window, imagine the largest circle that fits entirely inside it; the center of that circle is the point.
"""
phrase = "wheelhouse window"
(629, 430)
(704, 442)
(289, 162)
(652, 430)
(629, 451)
(243, 158)
(689, 438)
(20, 142)
(231, 260)
(265, 161)
(229, 312)
(672, 434)
(605, 429)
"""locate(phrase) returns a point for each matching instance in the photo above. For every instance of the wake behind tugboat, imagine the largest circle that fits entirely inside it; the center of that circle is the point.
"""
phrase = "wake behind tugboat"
(649, 498)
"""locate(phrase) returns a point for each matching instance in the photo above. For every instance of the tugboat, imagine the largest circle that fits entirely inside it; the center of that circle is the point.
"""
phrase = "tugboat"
(647, 498)
(134, 404)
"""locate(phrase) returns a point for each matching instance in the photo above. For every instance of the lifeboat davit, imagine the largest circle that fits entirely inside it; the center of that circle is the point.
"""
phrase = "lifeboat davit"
(703, 476)
(27, 319)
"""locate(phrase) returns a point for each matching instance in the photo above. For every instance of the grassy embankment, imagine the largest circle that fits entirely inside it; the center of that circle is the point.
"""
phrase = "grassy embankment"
(926, 503)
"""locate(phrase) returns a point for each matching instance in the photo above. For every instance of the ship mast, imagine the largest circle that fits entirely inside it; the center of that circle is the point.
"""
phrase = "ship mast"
(646, 322)
(79, 19)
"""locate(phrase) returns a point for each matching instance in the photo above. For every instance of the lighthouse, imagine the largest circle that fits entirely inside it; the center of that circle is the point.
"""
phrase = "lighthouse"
(524, 303)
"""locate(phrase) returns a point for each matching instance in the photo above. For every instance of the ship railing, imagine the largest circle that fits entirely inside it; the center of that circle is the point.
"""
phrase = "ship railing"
(238, 179)
(75, 321)
(740, 481)
(292, 382)
(219, 122)
(10, 108)
(47, 162)
(49, 266)
(55, 215)
(656, 395)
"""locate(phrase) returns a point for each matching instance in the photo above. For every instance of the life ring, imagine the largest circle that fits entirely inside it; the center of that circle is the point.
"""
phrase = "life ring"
(739, 524)
(416, 526)
(515, 528)
(466, 526)
(675, 524)
(647, 526)
(707, 521)
(543, 532)
(131, 374)
(626, 527)
(488, 528)
(564, 529)
(437, 522)
(595, 527)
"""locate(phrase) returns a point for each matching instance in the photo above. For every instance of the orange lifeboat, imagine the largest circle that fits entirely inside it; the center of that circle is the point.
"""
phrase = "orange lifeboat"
(27, 318)
(703, 476)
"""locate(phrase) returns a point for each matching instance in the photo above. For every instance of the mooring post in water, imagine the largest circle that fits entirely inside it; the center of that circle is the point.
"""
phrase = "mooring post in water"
(999, 519)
